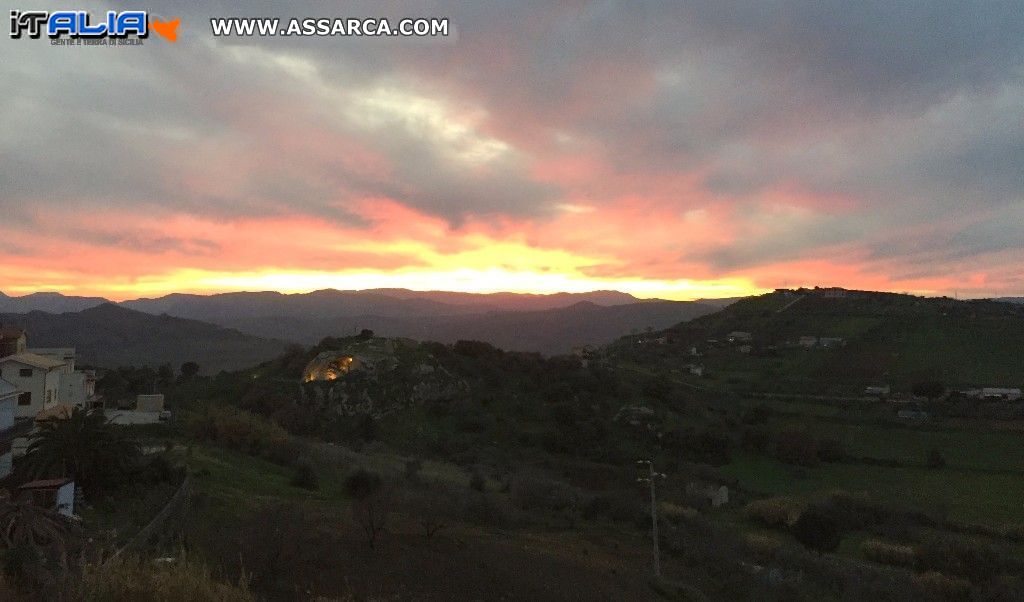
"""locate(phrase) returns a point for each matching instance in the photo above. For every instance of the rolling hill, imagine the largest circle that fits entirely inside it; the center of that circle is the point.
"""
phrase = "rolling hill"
(109, 336)
(549, 331)
(887, 338)
(387, 303)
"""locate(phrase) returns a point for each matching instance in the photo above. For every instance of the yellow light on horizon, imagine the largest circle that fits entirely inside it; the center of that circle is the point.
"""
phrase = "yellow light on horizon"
(486, 280)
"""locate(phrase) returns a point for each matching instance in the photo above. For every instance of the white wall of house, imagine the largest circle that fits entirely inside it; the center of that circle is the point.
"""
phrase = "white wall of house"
(66, 499)
(6, 460)
(76, 388)
(40, 387)
(7, 405)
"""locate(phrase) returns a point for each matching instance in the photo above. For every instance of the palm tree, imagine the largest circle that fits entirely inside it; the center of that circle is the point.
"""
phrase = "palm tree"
(39, 543)
(85, 447)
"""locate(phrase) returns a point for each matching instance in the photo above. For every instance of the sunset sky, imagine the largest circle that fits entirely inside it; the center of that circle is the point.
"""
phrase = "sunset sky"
(675, 150)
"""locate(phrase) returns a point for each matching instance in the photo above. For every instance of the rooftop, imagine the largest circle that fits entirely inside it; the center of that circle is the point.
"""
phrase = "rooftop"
(47, 483)
(34, 360)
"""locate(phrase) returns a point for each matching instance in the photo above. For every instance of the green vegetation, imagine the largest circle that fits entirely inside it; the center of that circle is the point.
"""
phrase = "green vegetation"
(436, 457)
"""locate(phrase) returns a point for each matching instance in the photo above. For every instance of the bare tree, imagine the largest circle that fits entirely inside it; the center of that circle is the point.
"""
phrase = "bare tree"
(370, 503)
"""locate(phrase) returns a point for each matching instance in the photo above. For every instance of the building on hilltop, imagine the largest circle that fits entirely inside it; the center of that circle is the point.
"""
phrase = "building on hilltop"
(833, 292)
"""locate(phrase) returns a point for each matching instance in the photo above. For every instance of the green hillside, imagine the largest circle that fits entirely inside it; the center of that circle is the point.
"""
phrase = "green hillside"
(887, 338)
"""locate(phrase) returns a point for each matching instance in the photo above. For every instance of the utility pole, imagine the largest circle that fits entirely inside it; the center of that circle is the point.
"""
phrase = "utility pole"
(650, 478)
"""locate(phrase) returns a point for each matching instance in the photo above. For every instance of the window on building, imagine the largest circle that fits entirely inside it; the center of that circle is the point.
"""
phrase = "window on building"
(25, 399)
(49, 397)
(25, 372)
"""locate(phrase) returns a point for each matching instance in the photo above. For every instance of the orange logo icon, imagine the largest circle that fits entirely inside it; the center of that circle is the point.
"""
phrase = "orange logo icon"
(167, 29)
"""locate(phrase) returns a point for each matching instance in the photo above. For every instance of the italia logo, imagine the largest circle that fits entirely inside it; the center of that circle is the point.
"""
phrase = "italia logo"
(81, 24)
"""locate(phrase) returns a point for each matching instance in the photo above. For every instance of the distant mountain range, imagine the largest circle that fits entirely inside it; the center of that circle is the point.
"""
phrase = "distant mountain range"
(549, 324)
(54, 303)
(549, 331)
(109, 336)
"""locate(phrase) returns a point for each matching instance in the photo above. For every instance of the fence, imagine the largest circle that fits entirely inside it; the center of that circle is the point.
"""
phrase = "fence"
(176, 506)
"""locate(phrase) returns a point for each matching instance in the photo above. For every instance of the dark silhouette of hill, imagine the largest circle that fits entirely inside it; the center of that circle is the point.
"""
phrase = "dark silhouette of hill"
(548, 324)
(109, 336)
(392, 303)
(549, 331)
(54, 303)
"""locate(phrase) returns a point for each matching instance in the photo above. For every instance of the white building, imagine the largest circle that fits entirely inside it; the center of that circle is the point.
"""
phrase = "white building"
(8, 400)
(55, 494)
(1001, 393)
(37, 378)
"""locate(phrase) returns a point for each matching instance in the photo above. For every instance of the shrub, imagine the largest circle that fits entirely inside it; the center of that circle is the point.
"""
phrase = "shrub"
(537, 493)
(831, 449)
(371, 504)
(935, 459)
(619, 507)
(432, 508)
(487, 510)
(795, 445)
(477, 481)
(275, 543)
(965, 558)
(887, 553)
(134, 581)
(758, 414)
(757, 438)
(305, 476)
(774, 512)
(818, 529)
(764, 547)
(362, 483)
(412, 470)
(937, 586)
(242, 431)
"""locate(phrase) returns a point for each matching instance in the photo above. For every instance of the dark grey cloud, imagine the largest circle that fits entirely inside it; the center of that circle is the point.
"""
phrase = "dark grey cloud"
(910, 112)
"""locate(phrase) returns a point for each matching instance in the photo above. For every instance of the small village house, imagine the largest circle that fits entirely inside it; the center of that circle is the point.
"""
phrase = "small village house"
(878, 390)
(37, 378)
(738, 336)
(830, 342)
(808, 341)
(55, 494)
(714, 494)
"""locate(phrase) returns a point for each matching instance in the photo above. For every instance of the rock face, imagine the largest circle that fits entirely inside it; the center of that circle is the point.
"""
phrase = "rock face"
(375, 377)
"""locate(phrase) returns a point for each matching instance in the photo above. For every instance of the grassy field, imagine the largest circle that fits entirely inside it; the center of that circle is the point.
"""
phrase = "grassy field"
(465, 561)
(961, 495)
